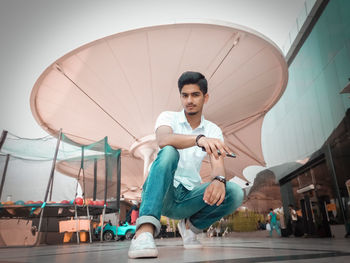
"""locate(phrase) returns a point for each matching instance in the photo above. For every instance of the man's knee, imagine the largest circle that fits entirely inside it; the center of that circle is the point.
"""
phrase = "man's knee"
(169, 154)
(234, 195)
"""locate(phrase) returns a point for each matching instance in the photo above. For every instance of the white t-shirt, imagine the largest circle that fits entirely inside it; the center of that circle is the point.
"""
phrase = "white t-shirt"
(187, 172)
(294, 215)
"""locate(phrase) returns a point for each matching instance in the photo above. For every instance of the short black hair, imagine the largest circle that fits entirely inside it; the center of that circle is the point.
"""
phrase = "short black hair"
(191, 77)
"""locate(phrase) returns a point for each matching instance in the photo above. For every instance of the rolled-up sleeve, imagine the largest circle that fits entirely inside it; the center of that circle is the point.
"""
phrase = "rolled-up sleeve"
(165, 119)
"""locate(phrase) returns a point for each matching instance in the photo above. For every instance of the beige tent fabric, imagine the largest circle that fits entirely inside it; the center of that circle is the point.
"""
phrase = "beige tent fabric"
(118, 85)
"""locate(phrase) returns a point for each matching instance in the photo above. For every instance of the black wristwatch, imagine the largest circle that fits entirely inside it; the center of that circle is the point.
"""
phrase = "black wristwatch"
(198, 137)
(220, 178)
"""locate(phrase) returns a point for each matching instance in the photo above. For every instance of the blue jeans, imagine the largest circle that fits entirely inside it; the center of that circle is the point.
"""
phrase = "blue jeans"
(160, 197)
(275, 225)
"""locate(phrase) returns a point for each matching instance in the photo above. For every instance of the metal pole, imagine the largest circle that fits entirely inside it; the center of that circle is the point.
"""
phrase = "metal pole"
(94, 194)
(53, 165)
(118, 179)
(3, 138)
(105, 194)
(77, 223)
(106, 171)
(88, 215)
(77, 220)
(103, 220)
(51, 189)
(84, 199)
(82, 167)
(95, 179)
(4, 174)
(48, 185)
(75, 205)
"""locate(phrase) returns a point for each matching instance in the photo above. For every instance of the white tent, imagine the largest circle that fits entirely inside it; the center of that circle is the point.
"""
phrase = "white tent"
(118, 85)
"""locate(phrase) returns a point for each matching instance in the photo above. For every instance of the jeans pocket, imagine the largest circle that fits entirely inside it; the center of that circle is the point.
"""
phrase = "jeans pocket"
(180, 193)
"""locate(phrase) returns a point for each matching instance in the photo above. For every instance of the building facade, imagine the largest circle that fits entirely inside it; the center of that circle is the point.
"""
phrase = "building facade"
(311, 125)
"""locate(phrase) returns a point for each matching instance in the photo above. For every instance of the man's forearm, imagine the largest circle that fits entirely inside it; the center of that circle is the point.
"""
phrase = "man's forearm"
(218, 171)
(179, 141)
(217, 166)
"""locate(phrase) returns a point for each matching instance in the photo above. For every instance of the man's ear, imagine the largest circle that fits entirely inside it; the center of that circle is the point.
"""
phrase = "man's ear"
(206, 98)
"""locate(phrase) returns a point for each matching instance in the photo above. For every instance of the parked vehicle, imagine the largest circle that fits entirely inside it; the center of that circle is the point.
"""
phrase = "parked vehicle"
(111, 232)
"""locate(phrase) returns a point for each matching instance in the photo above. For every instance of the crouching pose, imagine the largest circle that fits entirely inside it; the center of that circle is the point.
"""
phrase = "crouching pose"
(173, 187)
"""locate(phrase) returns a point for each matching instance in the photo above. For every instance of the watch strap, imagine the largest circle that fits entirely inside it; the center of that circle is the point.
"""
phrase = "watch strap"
(220, 179)
(198, 137)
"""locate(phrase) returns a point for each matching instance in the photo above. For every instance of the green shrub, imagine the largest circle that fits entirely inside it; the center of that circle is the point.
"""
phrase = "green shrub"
(240, 221)
(245, 221)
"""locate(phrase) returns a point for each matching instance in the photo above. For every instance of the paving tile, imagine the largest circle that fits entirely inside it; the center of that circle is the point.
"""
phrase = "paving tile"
(216, 250)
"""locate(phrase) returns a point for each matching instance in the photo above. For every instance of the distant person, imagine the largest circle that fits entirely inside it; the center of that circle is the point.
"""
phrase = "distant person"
(273, 222)
(173, 187)
(293, 218)
(283, 226)
(260, 225)
(128, 214)
(135, 214)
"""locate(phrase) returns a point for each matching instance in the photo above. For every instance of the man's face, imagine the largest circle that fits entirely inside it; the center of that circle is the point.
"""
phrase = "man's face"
(193, 99)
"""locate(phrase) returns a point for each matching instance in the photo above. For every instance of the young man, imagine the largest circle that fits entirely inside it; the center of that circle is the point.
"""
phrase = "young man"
(173, 187)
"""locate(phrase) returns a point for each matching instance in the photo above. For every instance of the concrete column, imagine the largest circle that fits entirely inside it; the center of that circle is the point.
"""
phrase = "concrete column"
(147, 156)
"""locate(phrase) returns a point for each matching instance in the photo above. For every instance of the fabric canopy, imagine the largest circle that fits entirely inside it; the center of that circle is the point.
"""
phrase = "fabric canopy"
(118, 85)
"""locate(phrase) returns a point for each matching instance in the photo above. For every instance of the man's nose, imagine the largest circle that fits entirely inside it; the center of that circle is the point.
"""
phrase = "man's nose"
(189, 99)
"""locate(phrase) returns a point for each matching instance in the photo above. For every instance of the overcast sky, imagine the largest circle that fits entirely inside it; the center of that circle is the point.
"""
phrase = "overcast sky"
(37, 32)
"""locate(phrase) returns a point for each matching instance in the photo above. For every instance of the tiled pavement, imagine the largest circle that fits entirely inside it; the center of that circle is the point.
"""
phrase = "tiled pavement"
(218, 249)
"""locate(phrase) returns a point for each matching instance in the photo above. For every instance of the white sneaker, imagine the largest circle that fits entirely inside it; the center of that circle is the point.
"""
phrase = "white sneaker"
(143, 246)
(188, 237)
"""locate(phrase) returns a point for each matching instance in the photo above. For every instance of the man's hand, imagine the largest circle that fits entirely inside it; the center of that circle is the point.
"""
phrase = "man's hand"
(212, 145)
(214, 193)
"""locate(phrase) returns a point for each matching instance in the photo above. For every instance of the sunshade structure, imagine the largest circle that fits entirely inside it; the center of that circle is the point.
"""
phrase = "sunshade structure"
(118, 85)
